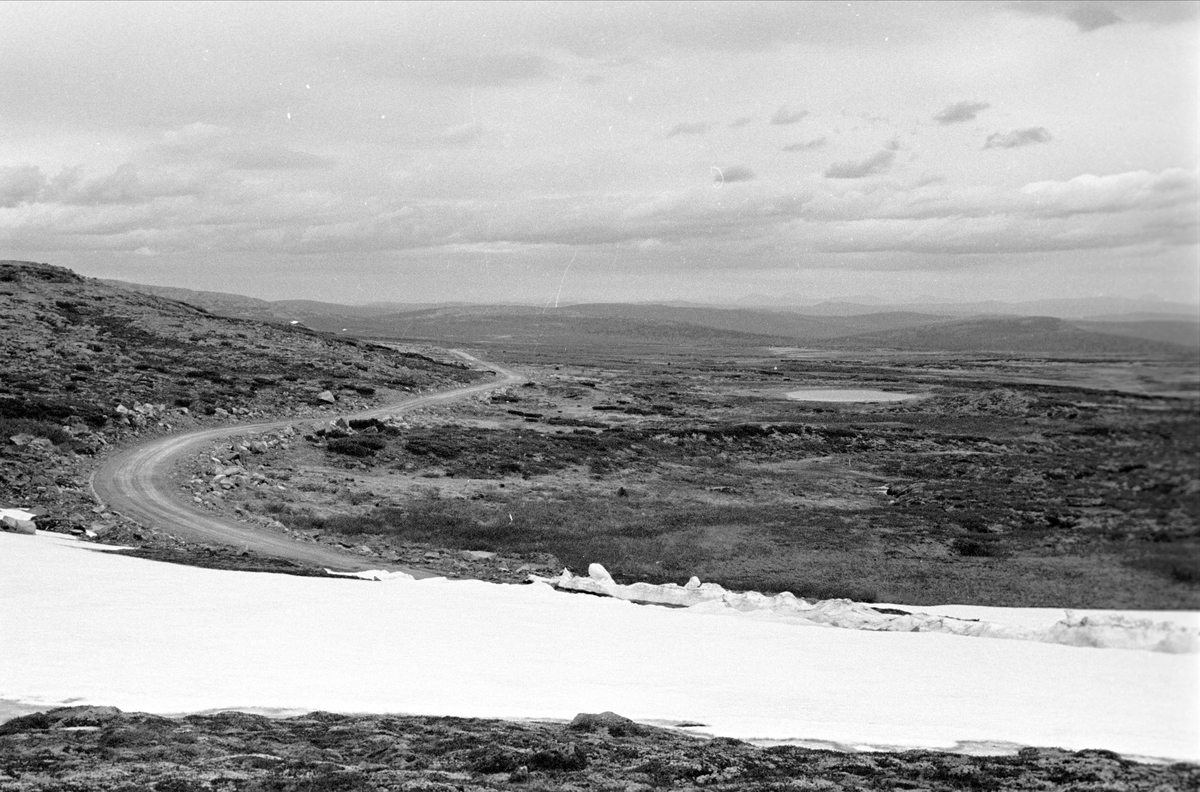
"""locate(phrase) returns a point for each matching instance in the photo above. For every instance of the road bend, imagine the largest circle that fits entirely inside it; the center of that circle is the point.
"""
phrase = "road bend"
(137, 483)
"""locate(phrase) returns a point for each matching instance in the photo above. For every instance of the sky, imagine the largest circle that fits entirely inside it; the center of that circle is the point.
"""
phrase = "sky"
(551, 153)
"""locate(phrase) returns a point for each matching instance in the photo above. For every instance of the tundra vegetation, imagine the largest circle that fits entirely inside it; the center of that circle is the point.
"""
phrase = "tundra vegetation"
(1009, 482)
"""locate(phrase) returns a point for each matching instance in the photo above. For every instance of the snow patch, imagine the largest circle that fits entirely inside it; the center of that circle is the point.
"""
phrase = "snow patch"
(1103, 631)
(107, 629)
(373, 574)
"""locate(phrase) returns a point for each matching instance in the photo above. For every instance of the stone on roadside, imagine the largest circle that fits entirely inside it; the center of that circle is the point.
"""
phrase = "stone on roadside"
(17, 521)
(476, 555)
(327, 397)
(599, 574)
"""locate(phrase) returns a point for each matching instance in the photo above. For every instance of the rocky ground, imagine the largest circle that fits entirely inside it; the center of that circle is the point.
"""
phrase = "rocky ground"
(101, 748)
(90, 368)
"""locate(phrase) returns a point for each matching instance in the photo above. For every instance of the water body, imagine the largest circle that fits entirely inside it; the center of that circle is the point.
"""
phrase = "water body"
(849, 395)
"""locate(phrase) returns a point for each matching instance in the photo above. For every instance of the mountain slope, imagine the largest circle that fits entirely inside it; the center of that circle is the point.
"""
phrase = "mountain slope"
(86, 365)
(1023, 334)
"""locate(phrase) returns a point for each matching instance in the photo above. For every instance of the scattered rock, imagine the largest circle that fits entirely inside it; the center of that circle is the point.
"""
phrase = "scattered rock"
(599, 574)
(477, 555)
(614, 724)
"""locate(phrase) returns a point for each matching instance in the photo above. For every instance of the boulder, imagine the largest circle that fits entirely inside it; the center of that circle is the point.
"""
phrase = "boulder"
(476, 555)
(616, 725)
(599, 574)
(17, 521)
(327, 397)
(22, 439)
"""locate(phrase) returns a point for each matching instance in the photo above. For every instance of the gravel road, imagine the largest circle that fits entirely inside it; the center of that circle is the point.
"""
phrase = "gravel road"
(136, 483)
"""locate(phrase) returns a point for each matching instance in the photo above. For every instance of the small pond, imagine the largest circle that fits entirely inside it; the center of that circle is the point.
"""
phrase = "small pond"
(849, 395)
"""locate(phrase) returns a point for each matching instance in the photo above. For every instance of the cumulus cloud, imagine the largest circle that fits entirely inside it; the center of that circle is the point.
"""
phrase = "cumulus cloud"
(879, 162)
(806, 145)
(960, 112)
(1089, 212)
(733, 173)
(1121, 192)
(1018, 138)
(784, 117)
(698, 128)
(127, 184)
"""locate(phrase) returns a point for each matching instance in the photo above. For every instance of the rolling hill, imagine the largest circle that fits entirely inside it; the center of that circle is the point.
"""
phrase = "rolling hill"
(1154, 329)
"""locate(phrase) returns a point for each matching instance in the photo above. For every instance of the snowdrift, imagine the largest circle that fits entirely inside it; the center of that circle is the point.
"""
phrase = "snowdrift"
(85, 627)
(1103, 630)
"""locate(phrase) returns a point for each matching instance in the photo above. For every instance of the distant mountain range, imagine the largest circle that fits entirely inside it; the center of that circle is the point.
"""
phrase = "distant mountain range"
(1083, 326)
(1097, 308)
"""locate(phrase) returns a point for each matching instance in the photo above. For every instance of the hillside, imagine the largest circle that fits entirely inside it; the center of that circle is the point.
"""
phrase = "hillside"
(1168, 331)
(1008, 334)
(238, 306)
(523, 325)
(88, 365)
(1154, 329)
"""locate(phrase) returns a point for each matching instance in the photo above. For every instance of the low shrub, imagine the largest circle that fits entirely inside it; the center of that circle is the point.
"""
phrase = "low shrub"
(353, 447)
(972, 548)
(17, 426)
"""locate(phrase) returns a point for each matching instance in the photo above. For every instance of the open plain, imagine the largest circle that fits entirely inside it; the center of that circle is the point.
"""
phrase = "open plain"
(1017, 481)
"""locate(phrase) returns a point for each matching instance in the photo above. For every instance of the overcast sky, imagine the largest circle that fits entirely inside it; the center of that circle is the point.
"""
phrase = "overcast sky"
(606, 151)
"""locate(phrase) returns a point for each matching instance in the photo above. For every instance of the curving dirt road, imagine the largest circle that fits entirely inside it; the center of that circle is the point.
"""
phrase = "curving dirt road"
(137, 484)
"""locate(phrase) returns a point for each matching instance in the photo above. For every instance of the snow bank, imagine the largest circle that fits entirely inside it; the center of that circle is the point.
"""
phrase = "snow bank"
(1104, 629)
(100, 628)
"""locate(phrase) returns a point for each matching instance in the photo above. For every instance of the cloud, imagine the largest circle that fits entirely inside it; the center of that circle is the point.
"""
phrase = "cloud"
(733, 173)
(1018, 138)
(22, 184)
(1089, 212)
(879, 162)
(1122, 192)
(741, 122)
(806, 145)
(1087, 16)
(431, 66)
(698, 128)
(784, 117)
(462, 134)
(124, 185)
(960, 112)
(219, 145)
